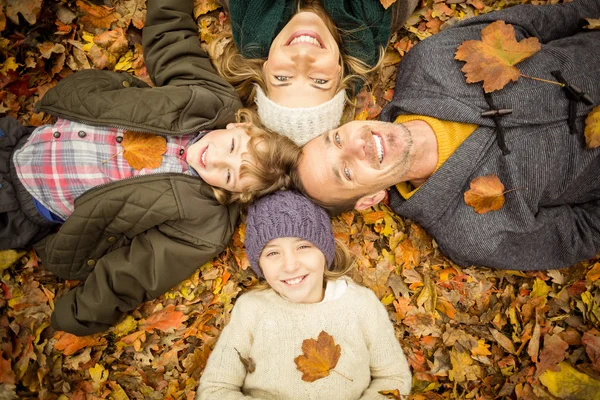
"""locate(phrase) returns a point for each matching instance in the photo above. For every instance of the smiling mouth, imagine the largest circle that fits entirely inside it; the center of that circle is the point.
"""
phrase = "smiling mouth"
(295, 281)
(379, 147)
(203, 157)
(305, 37)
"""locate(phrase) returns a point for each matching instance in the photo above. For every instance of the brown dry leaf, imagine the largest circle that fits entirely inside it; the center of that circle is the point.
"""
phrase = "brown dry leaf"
(96, 16)
(29, 9)
(47, 48)
(70, 344)
(492, 58)
(592, 128)
(391, 394)
(387, 3)
(143, 150)
(553, 353)
(2, 20)
(593, 23)
(165, 319)
(248, 362)
(486, 194)
(320, 356)
(592, 348)
(133, 11)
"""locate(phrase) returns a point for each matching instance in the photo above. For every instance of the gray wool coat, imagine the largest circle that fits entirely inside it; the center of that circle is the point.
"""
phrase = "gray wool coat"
(552, 220)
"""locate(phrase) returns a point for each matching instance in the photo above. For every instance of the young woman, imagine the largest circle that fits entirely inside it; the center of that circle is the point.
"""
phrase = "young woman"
(290, 243)
(298, 60)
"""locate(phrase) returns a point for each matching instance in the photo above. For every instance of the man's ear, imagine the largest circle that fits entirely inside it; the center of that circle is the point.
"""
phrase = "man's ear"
(369, 201)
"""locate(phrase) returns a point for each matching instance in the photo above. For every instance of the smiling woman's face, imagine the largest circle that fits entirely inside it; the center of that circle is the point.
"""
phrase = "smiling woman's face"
(303, 68)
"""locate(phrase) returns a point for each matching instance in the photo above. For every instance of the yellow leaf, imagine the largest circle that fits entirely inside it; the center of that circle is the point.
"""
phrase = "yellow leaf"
(124, 63)
(387, 300)
(125, 326)
(592, 128)
(568, 383)
(9, 257)
(9, 65)
(98, 374)
(593, 23)
(387, 3)
(143, 150)
(492, 58)
(202, 7)
(540, 289)
(481, 349)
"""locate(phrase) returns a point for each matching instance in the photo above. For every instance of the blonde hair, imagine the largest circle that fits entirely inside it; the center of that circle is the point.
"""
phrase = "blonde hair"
(244, 73)
(343, 262)
(270, 163)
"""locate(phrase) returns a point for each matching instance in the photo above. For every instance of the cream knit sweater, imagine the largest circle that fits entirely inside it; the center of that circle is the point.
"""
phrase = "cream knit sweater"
(270, 330)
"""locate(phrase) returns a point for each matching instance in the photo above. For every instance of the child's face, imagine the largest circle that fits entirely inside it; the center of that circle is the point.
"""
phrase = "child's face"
(294, 268)
(217, 157)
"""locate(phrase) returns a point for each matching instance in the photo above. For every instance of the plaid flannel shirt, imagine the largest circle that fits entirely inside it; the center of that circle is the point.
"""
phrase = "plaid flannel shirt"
(62, 161)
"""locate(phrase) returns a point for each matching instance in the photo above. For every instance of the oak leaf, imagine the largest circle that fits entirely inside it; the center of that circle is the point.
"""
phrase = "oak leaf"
(492, 59)
(96, 16)
(29, 9)
(143, 150)
(486, 194)
(320, 356)
(70, 344)
(592, 128)
(165, 319)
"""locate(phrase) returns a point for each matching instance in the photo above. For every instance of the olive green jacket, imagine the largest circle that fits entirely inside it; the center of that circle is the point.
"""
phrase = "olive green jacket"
(132, 240)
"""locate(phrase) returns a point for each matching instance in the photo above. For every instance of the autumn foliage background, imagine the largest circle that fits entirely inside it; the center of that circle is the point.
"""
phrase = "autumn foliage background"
(471, 333)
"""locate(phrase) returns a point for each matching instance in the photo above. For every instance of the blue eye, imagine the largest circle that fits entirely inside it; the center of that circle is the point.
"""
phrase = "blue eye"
(336, 137)
(282, 78)
(347, 173)
(320, 81)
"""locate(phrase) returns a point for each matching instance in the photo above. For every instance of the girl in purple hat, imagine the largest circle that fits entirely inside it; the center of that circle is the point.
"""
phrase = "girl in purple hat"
(260, 353)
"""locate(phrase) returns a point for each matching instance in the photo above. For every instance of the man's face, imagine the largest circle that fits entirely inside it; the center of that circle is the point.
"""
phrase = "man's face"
(360, 158)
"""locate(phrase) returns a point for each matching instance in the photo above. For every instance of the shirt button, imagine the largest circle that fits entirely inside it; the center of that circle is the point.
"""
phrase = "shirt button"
(91, 263)
(126, 84)
(181, 152)
(56, 134)
(119, 139)
(112, 239)
(81, 134)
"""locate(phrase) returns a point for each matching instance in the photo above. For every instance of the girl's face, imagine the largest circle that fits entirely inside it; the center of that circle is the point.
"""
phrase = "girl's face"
(218, 156)
(303, 68)
(294, 268)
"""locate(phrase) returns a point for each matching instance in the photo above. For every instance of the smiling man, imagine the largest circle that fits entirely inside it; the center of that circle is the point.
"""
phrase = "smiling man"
(443, 133)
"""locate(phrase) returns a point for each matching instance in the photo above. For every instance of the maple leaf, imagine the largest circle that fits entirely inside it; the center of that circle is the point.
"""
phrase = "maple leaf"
(70, 344)
(592, 128)
(165, 319)
(486, 194)
(493, 58)
(319, 357)
(96, 16)
(143, 150)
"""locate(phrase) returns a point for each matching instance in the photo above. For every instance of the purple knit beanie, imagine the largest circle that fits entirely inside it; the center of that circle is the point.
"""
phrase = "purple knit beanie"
(287, 214)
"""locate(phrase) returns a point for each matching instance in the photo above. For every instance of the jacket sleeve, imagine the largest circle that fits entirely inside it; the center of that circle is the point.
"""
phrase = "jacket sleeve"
(389, 368)
(172, 51)
(224, 374)
(546, 22)
(127, 277)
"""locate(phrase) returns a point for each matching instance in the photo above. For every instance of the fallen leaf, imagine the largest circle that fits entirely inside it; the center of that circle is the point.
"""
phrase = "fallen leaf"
(9, 257)
(568, 383)
(29, 9)
(70, 344)
(486, 194)
(143, 150)
(387, 3)
(248, 362)
(202, 7)
(554, 352)
(592, 128)
(96, 16)
(391, 394)
(492, 58)
(319, 357)
(165, 319)
(593, 23)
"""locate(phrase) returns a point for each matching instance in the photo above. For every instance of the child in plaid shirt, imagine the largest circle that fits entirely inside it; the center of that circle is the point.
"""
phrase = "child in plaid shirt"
(132, 234)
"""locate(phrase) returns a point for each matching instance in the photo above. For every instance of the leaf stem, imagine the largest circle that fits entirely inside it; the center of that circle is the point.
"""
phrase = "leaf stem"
(511, 190)
(542, 80)
(111, 157)
(342, 375)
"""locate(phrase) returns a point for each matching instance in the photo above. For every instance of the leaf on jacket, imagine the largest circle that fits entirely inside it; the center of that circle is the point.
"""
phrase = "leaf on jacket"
(391, 394)
(70, 344)
(593, 23)
(319, 357)
(486, 194)
(96, 16)
(592, 128)
(492, 58)
(568, 383)
(248, 362)
(143, 150)
(164, 320)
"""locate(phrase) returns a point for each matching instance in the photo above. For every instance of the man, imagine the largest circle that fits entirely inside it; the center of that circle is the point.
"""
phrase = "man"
(443, 133)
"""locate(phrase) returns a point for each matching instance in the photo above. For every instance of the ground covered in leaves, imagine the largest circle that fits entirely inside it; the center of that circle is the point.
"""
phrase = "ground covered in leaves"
(467, 332)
